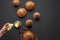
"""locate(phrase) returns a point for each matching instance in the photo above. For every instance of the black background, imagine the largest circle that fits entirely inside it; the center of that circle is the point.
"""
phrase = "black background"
(47, 28)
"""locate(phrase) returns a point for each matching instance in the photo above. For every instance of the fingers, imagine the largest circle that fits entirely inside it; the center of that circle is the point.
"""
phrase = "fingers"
(6, 25)
(4, 29)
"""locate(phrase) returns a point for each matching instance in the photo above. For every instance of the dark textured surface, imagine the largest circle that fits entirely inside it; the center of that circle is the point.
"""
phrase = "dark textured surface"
(47, 28)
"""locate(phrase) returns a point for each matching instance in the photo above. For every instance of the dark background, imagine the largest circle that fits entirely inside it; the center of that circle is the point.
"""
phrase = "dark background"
(47, 28)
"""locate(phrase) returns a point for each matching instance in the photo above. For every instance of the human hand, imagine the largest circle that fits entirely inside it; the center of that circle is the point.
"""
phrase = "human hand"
(4, 29)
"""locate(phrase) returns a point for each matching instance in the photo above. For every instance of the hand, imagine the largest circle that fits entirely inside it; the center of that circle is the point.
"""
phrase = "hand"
(4, 29)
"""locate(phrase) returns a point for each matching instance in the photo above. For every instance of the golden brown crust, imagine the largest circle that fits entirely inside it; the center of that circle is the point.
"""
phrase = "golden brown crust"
(36, 15)
(29, 22)
(28, 35)
(30, 5)
(16, 2)
(21, 12)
